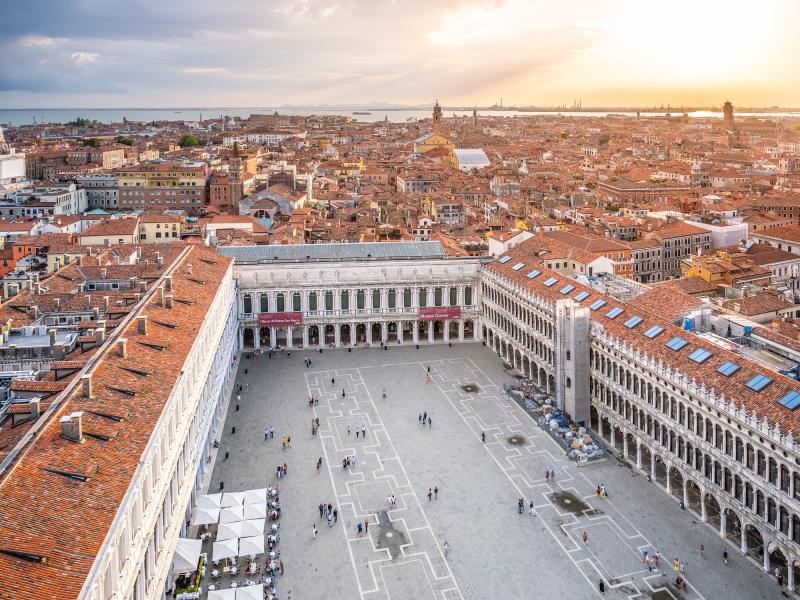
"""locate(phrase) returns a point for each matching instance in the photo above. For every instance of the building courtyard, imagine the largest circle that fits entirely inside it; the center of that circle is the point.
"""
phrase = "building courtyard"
(494, 551)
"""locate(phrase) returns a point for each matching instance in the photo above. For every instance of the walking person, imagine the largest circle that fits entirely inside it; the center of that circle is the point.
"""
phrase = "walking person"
(602, 587)
(335, 515)
(289, 441)
(348, 430)
(430, 494)
(419, 418)
(429, 423)
(266, 434)
(330, 519)
(585, 538)
(702, 551)
(446, 548)
(364, 431)
(725, 556)
(366, 526)
(333, 381)
(483, 436)
(436, 493)
(330, 508)
(359, 527)
(533, 512)
(283, 442)
(281, 564)
(314, 530)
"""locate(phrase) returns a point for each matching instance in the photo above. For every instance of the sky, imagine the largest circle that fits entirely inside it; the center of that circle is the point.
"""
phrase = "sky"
(262, 53)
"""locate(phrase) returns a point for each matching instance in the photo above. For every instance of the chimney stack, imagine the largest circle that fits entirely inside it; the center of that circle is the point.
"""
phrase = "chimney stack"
(52, 333)
(104, 273)
(57, 303)
(100, 335)
(161, 295)
(34, 406)
(72, 427)
(189, 268)
(86, 381)
(170, 301)
(168, 282)
(59, 353)
(87, 301)
(141, 325)
(106, 304)
(122, 347)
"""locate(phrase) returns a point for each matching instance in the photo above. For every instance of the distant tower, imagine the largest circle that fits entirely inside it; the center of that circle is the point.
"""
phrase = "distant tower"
(727, 114)
(4, 148)
(474, 117)
(437, 118)
(236, 190)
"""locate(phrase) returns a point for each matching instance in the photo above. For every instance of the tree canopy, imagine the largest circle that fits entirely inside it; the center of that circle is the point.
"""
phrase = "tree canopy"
(93, 142)
(188, 140)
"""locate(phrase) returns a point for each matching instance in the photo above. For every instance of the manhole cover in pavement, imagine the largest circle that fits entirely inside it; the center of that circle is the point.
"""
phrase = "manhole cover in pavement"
(471, 388)
(516, 440)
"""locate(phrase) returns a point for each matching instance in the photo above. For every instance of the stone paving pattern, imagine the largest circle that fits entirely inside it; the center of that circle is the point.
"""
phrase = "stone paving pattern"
(494, 551)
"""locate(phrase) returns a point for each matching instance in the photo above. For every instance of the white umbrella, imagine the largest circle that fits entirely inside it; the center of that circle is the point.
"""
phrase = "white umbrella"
(230, 514)
(206, 516)
(229, 531)
(251, 527)
(258, 496)
(249, 592)
(209, 501)
(254, 511)
(187, 555)
(251, 545)
(229, 594)
(232, 499)
(225, 549)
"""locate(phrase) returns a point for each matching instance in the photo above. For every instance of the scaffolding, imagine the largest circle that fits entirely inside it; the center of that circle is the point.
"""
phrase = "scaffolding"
(621, 288)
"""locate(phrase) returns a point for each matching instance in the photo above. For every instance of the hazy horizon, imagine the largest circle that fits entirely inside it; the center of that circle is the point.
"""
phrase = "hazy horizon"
(304, 53)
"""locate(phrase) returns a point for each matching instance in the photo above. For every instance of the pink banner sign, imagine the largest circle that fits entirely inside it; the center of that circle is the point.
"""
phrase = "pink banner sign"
(284, 319)
(434, 313)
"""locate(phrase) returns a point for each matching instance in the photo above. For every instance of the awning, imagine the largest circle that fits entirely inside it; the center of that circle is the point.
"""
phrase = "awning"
(254, 511)
(225, 549)
(230, 514)
(232, 499)
(258, 496)
(187, 555)
(251, 527)
(206, 516)
(249, 592)
(251, 545)
(209, 501)
(229, 531)
(229, 594)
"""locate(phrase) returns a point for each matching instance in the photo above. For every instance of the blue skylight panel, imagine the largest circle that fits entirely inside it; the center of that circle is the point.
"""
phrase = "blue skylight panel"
(597, 304)
(614, 313)
(534, 274)
(504, 259)
(790, 400)
(582, 296)
(653, 331)
(567, 288)
(517, 266)
(676, 343)
(758, 383)
(728, 368)
(700, 355)
(633, 322)
(551, 282)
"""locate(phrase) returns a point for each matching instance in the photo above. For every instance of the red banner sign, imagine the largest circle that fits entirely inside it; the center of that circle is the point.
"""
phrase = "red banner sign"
(284, 319)
(433, 313)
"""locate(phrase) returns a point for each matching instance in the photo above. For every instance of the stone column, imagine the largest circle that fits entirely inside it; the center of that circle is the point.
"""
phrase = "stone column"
(703, 512)
(638, 443)
(241, 338)
(289, 332)
(384, 300)
(321, 335)
(460, 330)
(460, 296)
(624, 442)
(790, 576)
(743, 539)
(652, 465)
(415, 332)
(400, 331)
(685, 494)
(669, 479)
(430, 331)
(256, 337)
(767, 564)
(447, 331)
(723, 524)
(337, 334)
(305, 336)
(385, 332)
(368, 331)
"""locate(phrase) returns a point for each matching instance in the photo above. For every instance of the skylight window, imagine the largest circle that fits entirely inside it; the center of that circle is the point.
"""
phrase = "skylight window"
(728, 369)
(550, 282)
(633, 322)
(700, 355)
(581, 296)
(534, 274)
(790, 400)
(653, 331)
(517, 266)
(614, 313)
(758, 383)
(676, 343)
(504, 259)
(597, 304)
(567, 288)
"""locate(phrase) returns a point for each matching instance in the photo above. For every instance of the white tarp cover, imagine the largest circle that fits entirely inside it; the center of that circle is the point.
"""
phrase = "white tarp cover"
(251, 527)
(229, 531)
(258, 496)
(228, 594)
(230, 514)
(225, 549)
(206, 516)
(232, 499)
(209, 501)
(251, 545)
(187, 555)
(254, 511)
(250, 592)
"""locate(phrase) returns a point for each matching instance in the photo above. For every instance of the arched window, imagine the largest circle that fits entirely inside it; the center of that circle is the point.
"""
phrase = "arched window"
(392, 298)
(376, 299)
(281, 302)
(453, 296)
(264, 301)
(437, 296)
(312, 301)
(345, 300)
(423, 297)
(296, 302)
(569, 383)
(407, 297)
(248, 304)
(360, 299)
(468, 296)
(329, 300)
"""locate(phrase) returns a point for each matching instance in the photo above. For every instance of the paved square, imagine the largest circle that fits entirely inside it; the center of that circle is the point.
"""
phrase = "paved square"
(494, 551)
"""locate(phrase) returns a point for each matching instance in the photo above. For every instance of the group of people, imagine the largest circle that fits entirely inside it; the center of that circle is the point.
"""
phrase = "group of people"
(424, 418)
(269, 433)
(348, 462)
(280, 471)
(327, 512)
(521, 507)
(600, 492)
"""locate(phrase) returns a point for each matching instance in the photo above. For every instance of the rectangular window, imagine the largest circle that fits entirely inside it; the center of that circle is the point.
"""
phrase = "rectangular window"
(534, 274)
(614, 312)
(758, 383)
(700, 355)
(728, 369)
(517, 266)
(567, 289)
(633, 322)
(504, 259)
(551, 282)
(653, 331)
(790, 400)
(597, 304)
(676, 343)
(581, 296)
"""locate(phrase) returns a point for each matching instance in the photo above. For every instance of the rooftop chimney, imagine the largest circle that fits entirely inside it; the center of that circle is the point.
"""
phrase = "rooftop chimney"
(34, 406)
(86, 381)
(122, 347)
(141, 324)
(72, 427)
(57, 303)
(161, 295)
(169, 301)
(104, 273)
(59, 353)
(87, 301)
(168, 282)
(106, 303)
(189, 268)
(52, 333)
(100, 335)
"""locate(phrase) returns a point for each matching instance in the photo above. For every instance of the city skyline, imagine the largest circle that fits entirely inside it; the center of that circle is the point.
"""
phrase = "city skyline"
(401, 52)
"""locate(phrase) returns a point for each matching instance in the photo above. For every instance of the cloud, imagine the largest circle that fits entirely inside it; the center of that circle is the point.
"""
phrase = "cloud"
(36, 41)
(83, 58)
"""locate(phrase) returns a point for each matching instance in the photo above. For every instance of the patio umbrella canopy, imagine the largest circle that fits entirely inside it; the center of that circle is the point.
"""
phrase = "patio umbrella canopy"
(229, 531)
(206, 516)
(232, 499)
(258, 496)
(251, 545)
(209, 501)
(223, 595)
(254, 511)
(251, 527)
(250, 592)
(225, 549)
(187, 555)
(230, 514)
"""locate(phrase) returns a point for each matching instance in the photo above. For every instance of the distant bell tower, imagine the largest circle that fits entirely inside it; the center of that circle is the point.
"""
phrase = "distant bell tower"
(474, 117)
(437, 118)
(235, 179)
(727, 114)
